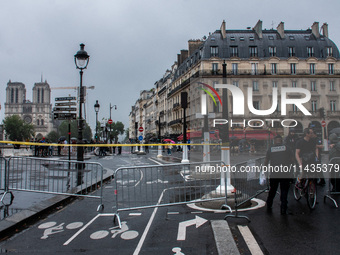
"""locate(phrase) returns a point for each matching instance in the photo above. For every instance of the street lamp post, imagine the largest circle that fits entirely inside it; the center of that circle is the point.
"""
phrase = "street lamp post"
(111, 107)
(96, 109)
(81, 60)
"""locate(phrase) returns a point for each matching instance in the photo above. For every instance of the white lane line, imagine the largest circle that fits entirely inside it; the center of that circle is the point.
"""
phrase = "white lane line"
(173, 212)
(248, 237)
(147, 228)
(88, 224)
(196, 212)
(135, 214)
(155, 161)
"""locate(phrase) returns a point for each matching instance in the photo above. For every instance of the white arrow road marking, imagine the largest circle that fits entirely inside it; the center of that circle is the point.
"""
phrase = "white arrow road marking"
(182, 226)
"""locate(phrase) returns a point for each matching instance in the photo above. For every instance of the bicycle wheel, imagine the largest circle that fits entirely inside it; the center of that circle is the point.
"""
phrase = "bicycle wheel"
(296, 191)
(311, 194)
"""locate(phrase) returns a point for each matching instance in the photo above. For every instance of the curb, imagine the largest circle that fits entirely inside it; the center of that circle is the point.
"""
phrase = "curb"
(224, 240)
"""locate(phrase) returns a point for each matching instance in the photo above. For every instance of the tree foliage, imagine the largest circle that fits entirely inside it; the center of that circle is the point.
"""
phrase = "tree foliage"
(17, 129)
(52, 137)
(63, 130)
(117, 128)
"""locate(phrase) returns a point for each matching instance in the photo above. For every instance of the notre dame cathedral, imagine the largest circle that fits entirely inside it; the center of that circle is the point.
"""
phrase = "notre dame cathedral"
(38, 111)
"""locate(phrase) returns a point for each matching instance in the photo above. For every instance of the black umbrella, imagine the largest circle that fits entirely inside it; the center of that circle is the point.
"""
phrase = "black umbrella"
(335, 131)
(62, 138)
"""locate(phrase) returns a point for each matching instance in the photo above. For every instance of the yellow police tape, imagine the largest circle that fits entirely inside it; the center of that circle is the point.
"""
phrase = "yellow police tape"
(110, 145)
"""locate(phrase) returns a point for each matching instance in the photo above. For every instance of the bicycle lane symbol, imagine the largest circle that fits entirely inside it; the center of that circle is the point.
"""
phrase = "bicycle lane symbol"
(124, 232)
(51, 228)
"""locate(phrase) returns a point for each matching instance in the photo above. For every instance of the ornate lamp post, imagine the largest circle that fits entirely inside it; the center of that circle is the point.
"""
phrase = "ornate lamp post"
(81, 59)
(96, 109)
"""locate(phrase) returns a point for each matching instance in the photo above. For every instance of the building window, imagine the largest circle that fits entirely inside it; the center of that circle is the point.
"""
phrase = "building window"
(214, 51)
(333, 105)
(254, 68)
(331, 86)
(312, 86)
(294, 108)
(274, 84)
(272, 51)
(235, 83)
(233, 51)
(273, 65)
(312, 68)
(310, 52)
(294, 84)
(330, 68)
(215, 68)
(253, 51)
(256, 105)
(42, 95)
(293, 68)
(329, 51)
(314, 106)
(16, 95)
(291, 51)
(234, 68)
(38, 99)
(38, 122)
(12, 95)
(255, 86)
(42, 122)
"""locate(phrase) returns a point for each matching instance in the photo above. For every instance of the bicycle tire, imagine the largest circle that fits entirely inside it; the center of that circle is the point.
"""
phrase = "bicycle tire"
(296, 191)
(311, 194)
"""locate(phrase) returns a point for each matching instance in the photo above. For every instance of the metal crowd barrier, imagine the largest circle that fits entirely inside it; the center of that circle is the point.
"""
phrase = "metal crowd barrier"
(142, 187)
(247, 184)
(48, 176)
(334, 180)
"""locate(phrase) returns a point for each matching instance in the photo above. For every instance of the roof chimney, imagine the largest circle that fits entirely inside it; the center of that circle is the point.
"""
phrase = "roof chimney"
(315, 29)
(325, 30)
(281, 29)
(258, 29)
(194, 45)
(223, 32)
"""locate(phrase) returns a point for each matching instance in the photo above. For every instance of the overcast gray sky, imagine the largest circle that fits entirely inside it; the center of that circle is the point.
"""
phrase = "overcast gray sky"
(131, 43)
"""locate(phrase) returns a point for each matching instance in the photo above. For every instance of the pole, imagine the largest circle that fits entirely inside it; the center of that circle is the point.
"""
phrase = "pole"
(184, 98)
(225, 185)
(80, 151)
(159, 138)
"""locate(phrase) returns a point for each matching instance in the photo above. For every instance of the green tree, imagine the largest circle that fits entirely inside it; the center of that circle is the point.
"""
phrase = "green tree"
(17, 129)
(117, 128)
(127, 135)
(52, 137)
(63, 130)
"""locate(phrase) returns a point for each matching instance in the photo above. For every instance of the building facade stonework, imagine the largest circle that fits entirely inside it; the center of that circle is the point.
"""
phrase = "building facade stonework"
(258, 59)
(37, 112)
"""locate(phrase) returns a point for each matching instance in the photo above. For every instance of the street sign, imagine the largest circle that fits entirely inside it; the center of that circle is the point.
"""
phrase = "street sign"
(66, 104)
(140, 129)
(65, 116)
(69, 109)
(65, 98)
(323, 123)
(140, 138)
(110, 121)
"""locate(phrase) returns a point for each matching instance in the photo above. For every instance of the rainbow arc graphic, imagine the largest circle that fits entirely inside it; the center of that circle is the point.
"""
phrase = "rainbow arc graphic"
(209, 93)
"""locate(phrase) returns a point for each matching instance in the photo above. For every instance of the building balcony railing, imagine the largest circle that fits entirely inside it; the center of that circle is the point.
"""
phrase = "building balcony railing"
(176, 105)
(333, 113)
(241, 72)
(174, 122)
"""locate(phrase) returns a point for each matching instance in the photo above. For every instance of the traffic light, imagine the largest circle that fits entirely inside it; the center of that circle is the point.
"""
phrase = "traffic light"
(322, 113)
